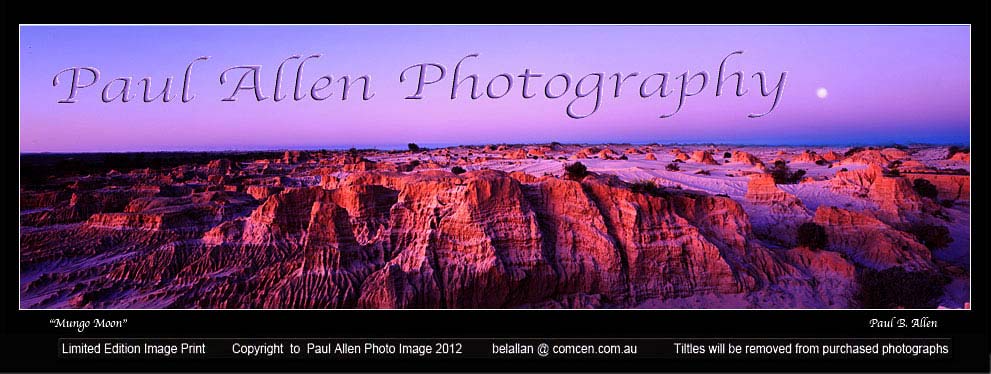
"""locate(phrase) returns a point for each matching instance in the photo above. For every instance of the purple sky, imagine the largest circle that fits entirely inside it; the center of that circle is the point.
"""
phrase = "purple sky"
(885, 84)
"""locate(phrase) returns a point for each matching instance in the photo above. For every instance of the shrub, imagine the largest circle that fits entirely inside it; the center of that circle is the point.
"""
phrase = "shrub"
(852, 151)
(925, 188)
(895, 287)
(891, 173)
(896, 146)
(797, 176)
(576, 171)
(647, 187)
(783, 175)
(822, 162)
(623, 157)
(413, 147)
(844, 169)
(727, 155)
(457, 170)
(812, 236)
(678, 161)
(948, 203)
(933, 236)
(672, 167)
(956, 149)
(703, 172)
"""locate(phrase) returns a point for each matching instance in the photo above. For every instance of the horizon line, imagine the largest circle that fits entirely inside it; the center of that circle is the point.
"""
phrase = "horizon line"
(395, 147)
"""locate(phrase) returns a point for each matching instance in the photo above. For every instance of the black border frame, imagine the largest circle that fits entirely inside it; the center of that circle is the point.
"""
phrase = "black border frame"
(30, 342)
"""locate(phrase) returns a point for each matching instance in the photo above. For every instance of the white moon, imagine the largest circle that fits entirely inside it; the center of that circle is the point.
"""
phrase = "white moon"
(822, 93)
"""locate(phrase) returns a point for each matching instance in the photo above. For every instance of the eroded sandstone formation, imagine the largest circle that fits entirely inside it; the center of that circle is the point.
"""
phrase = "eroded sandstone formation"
(704, 157)
(746, 158)
(808, 156)
(349, 230)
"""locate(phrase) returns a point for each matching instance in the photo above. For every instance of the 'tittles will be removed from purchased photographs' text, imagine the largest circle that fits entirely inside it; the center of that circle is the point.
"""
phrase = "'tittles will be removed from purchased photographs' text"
(488, 348)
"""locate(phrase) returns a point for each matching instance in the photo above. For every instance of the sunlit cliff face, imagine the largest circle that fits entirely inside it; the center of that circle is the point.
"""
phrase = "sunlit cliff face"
(497, 226)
